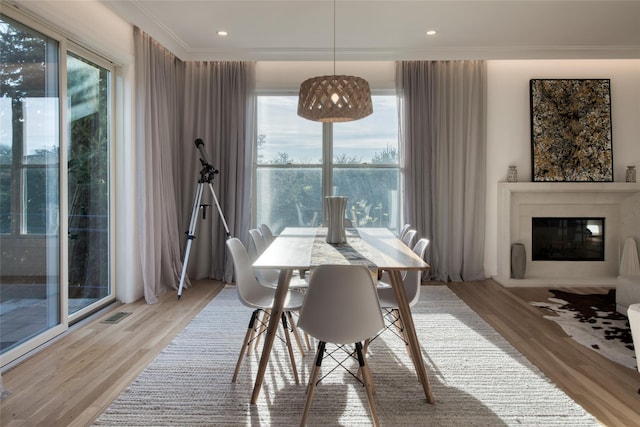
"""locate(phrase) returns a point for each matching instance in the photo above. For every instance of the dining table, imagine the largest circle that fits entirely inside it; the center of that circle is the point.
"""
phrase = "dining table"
(303, 248)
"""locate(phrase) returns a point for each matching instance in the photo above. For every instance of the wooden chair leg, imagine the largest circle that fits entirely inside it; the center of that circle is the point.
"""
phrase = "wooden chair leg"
(368, 384)
(365, 348)
(306, 338)
(245, 343)
(315, 366)
(290, 347)
(263, 327)
(296, 335)
(252, 336)
(311, 387)
(403, 332)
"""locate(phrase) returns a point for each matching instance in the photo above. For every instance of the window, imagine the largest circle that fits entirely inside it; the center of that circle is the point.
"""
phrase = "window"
(299, 162)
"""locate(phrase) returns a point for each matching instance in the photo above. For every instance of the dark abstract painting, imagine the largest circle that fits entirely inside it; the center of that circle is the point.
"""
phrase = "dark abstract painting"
(571, 130)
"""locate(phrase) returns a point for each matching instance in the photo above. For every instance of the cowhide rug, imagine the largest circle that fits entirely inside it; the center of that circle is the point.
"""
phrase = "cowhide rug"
(592, 320)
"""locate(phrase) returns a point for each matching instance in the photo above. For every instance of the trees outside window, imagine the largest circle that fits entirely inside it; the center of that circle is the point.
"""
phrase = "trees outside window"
(299, 162)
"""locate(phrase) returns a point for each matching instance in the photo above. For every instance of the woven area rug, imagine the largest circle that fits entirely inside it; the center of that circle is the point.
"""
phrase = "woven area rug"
(478, 379)
(592, 320)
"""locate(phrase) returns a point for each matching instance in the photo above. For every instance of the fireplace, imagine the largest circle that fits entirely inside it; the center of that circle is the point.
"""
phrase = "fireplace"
(616, 204)
(567, 239)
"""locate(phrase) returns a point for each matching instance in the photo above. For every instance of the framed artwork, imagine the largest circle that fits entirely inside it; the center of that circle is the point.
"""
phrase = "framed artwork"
(571, 130)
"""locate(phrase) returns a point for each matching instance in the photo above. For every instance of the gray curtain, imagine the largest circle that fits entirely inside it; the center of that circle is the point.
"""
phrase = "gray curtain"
(219, 108)
(176, 103)
(442, 107)
(158, 124)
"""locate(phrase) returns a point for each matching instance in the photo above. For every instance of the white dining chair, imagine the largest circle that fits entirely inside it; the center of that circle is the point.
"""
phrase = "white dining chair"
(252, 294)
(267, 233)
(403, 230)
(255, 246)
(341, 307)
(409, 237)
(269, 277)
(411, 282)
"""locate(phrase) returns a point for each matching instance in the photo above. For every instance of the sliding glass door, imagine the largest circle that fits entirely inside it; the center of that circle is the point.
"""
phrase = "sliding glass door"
(88, 90)
(55, 208)
(30, 297)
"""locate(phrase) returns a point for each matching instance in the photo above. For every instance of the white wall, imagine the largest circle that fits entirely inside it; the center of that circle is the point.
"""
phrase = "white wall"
(508, 125)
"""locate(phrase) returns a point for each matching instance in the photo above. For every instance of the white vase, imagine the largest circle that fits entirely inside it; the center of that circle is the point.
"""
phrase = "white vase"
(512, 174)
(336, 207)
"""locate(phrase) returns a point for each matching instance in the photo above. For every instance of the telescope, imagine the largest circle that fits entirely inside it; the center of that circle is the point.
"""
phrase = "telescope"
(207, 173)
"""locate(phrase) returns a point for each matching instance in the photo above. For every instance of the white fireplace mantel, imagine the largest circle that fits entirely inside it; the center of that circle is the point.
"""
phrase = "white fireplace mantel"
(619, 203)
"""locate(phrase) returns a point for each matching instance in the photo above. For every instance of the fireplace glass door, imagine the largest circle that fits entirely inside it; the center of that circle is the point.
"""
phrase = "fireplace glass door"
(567, 239)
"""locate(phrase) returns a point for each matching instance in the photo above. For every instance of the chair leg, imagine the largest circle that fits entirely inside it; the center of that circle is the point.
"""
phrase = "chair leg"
(296, 335)
(397, 322)
(306, 338)
(365, 349)
(368, 384)
(290, 348)
(311, 387)
(245, 343)
(252, 336)
(403, 331)
(316, 366)
(262, 328)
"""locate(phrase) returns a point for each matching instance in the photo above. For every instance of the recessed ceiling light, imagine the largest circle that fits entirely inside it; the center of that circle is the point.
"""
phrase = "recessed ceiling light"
(432, 32)
(222, 33)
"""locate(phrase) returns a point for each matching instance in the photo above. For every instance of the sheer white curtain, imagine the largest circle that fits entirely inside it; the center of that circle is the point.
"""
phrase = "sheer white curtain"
(176, 103)
(219, 108)
(442, 108)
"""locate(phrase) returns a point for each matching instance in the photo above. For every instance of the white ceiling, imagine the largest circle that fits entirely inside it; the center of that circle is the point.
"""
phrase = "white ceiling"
(388, 29)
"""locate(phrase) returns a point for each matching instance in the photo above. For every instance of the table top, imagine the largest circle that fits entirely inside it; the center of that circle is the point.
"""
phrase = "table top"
(299, 248)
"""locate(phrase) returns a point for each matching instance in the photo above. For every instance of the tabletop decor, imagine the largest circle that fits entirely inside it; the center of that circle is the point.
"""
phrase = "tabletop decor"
(631, 174)
(518, 260)
(336, 207)
(571, 130)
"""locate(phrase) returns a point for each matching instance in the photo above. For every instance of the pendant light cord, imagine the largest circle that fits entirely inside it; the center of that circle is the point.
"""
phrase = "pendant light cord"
(334, 37)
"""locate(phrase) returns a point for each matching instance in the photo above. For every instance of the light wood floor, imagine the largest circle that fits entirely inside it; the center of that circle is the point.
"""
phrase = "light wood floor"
(604, 388)
(73, 380)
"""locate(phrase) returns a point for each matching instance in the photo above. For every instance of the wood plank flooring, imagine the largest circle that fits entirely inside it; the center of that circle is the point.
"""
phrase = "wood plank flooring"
(73, 380)
(604, 388)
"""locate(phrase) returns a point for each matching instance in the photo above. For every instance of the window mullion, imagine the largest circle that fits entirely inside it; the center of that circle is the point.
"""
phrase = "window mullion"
(327, 163)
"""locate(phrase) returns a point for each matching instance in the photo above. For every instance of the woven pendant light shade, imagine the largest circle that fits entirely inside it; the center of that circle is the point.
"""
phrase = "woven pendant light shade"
(334, 99)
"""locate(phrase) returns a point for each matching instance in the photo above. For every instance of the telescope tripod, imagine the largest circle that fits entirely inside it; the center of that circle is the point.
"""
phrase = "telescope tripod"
(207, 174)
